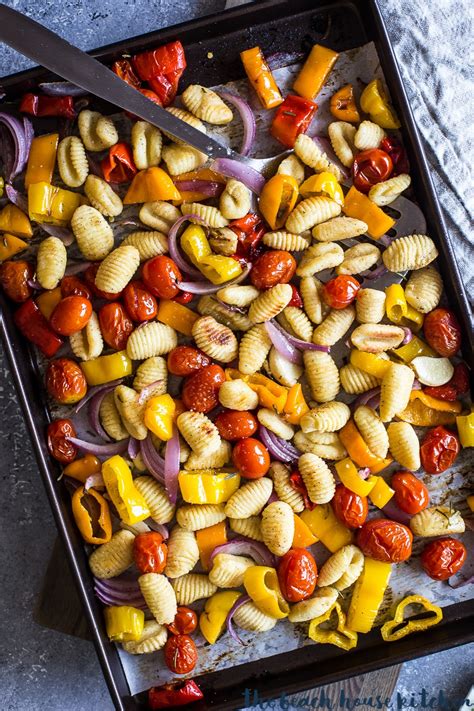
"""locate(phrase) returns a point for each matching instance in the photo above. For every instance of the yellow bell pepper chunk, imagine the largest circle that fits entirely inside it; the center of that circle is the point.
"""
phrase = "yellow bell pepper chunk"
(322, 183)
(124, 623)
(48, 300)
(341, 636)
(435, 403)
(396, 306)
(315, 71)
(323, 524)
(416, 347)
(302, 537)
(10, 245)
(381, 492)
(470, 502)
(52, 205)
(277, 199)
(106, 368)
(368, 595)
(159, 416)
(370, 363)
(465, 425)
(14, 221)
(400, 627)
(219, 269)
(41, 159)
(212, 619)
(177, 316)
(261, 584)
(350, 477)
(261, 78)
(374, 101)
(270, 394)
(195, 244)
(150, 185)
(208, 539)
(295, 405)
(358, 205)
(130, 504)
(206, 486)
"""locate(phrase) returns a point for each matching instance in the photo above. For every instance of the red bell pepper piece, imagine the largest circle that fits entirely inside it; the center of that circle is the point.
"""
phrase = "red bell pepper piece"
(123, 69)
(162, 69)
(184, 297)
(36, 329)
(169, 695)
(118, 166)
(291, 118)
(37, 105)
(297, 483)
(249, 230)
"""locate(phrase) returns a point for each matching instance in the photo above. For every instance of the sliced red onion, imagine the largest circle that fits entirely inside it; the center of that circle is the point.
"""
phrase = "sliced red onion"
(460, 582)
(62, 233)
(284, 59)
(394, 512)
(61, 88)
(408, 335)
(19, 142)
(118, 584)
(110, 599)
(302, 345)
(174, 249)
(209, 188)
(29, 133)
(96, 390)
(147, 390)
(277, 452)
(133, 448)
(376, 273)
(248, 120)
(77, 268)
(34, 284)
(282, 344)
(364, 398)
(172, 456)
(272, 498)
(94, 409)
(100, 450)
(228, 622)
(245, 546)
(93, 481)
(364, 473)
(16, 197)
(385, 240)
(201, 287)
(240, 171)
(152, 460)
(284, 445)
(158, 527)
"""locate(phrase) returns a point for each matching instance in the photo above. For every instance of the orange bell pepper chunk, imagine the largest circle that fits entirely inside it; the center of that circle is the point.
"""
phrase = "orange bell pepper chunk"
(277, 199)
(295, 406)
(261, 78)
(315, 71)
(177, 316)
(359, 452)
(358, 205)
(343, 106)
(10, 245)
(42, 159)
(208, 539)
(150, 185)
(302, 537)
(48, 300)
(14, 221)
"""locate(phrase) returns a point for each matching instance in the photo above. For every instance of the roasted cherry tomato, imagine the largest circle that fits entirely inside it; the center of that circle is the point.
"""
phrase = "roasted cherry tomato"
(234, 424)
(340, 291)
(371, 167)
(59, 446)
(443, 557)
(396, 151)
(251, 458)
(297, 483)
(458, 385)
(14, 278)
(73, 286)
(385, 540)
(149, 552)
(71, 315)
(443, 332)
(180, 653)
(115, 325)
(123, 68)
(296, 299)
(184, 297)
(200, 391)
(185, 621)
(249, 230)
(161, 276)
(297, 574)
(186, 360)
(65, 381)
(271, 268)
(89, 278)
(351, 509)
(439, 448)
(411, 495)
(140, 304)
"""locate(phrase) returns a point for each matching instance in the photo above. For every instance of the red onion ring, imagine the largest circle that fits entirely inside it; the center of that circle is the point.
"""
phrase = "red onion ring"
(240, 171)
(94, 408)
(61, 88)
(245, 546)
(248, 120)
(133, 448)
(158, 527)
(302, 345)
(408, 335)
(145, 392)
(62, 233)
(174, 249)
(273, 444)
(208, 188)
(93, 481)
(152, 460)
(172, 456)
(120, 584)
(100, 450)
(242, 600)
(18, 135)
(111, 599)
(364, 398)
(201, 287)
(385, 240)
(96, 390)
(16, 197)
(282, 344)
(364, 473)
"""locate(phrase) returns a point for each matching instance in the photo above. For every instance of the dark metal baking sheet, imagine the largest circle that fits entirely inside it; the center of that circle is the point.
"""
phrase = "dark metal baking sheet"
(276, 25)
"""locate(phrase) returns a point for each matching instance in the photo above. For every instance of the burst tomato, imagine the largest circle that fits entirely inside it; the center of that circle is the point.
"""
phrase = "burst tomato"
(371, 167)
(73, 286)
(385, 540)
(395, 150)
(296, 299)
(443, 332)
(340, 291)
(71, 315)
(200, 391)
(149, 552)
(140, 304)
(251, 458)
(271, 268)
(234, 424)
(297, 483)
(161, 276)
(65, 381)
(89, 278)
(185, 621)
(115, 325)
(186, 360)
(442, 558)
(297, 574)
(411, 495)
(184, 297)
(351, 509)
(180, 653)
(59, 446)
(14, 278)
(439, 448)
(458, 385)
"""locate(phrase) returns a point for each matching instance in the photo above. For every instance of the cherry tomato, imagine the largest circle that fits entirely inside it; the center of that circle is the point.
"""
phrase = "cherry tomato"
(71, 315)
(271, 268)
(251, 458)
(443, 332)
(443, 557)
(395, 150)
(234, 424)
(200, 391)
(161, 276)
(371, 167)
(296, 299)
(458, 385)
(411, 495)
(65, 381)
(439, 449)
(351, 509)
(297, 574)
(140, 304)
(185, 621)
(115, 325)
(340, 291)
(180, 653)
(184, 297)
(249, 230)
(59, 447)
(186, 360)
(14, 278)
(149, 552)
(89, 278)
(297, 483)
(73, 286)
(385, 540)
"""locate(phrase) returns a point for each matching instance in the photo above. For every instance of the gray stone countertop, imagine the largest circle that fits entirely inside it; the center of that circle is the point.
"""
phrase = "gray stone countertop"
(41, 669)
